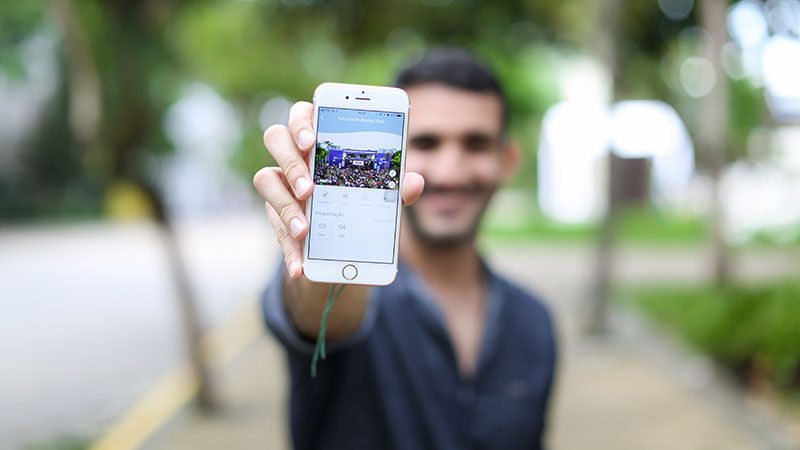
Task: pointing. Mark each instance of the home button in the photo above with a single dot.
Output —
(349, 272)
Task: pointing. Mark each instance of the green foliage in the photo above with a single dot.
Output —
(50, 181)
(741, 325)
(322, 153)
(252, 51)
(65, 442)
(647, 224)
(746, 112)
(634, 225)
(19, 21)
(394, 163)
(768, 239)
(535, 227)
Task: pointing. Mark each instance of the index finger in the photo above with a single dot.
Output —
(301, 124)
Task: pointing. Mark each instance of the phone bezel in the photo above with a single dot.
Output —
(375, 98)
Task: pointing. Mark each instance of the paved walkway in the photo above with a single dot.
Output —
(623, 391)
(89, 320)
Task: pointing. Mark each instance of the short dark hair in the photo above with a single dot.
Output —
(455, 67)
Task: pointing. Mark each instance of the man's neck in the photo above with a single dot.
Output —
(456, 277)
(447, 268)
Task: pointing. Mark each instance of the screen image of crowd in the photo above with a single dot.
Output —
(377, 169)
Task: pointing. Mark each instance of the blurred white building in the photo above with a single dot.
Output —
(576, 139)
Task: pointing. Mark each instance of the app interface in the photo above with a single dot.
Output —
(356, 177)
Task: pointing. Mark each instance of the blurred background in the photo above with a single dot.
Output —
(657, 210)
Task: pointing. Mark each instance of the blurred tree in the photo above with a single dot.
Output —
(126, 59)
(394, 163)
(713, 138)
(321, 154)
(18, 22)
(607, 49)
(255, 50)
(117, 58)
(41, 170)
(124, 62)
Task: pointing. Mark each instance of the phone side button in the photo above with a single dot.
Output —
(349, 272)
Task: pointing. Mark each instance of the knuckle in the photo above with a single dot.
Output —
(290, 253)
(277, 223)
(284, 209)
(294, 110)
(261, 177)
(299, 115)
(272, 215)
(294, 166)
(273, 133)
(298, 108)
(281, 234)
(265, 178)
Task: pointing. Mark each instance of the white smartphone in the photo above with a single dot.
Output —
(357, 166)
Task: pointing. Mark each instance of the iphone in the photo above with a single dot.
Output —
(357, 166)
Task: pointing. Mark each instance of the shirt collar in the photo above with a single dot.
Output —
(422, 299)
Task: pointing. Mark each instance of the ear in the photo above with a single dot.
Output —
(510, 160)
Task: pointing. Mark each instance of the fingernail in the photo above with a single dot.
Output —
(305, 138)
(301, 186)
(296, 227)
(294, 268)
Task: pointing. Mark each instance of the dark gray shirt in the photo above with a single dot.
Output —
(395, 383)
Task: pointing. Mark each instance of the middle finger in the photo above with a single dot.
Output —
(272, 186)
(282, 147)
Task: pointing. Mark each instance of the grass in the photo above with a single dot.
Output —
(515, 217)
(64, 442)
(634, 225)
(754, 329)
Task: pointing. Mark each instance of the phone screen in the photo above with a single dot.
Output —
(356, 177)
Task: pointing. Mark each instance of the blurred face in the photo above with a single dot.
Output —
(456, 142)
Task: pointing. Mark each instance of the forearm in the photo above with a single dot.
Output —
(305, 302)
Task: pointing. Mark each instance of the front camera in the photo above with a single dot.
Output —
(347, 97)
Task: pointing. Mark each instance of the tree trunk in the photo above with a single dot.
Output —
(600, 291)
(714, 130)
(187, 300)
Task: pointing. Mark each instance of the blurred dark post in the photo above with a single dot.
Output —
(114, 132)
(714, 128)
(187, 301)
(605, 44)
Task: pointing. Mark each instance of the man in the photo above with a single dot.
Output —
(448, 356)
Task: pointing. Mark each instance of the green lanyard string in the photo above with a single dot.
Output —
(319, 349)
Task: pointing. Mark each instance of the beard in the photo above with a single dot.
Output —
(479, 192)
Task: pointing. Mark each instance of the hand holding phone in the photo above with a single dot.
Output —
(357, 167)
(287, 188)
